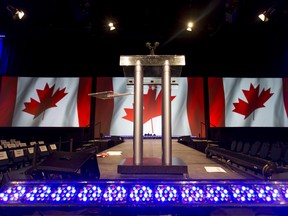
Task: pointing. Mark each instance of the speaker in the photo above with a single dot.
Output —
(68, 165)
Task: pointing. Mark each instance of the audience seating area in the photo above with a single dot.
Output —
(261, 157)
(15, 154)
(264, 158)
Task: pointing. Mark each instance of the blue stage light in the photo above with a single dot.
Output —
(144, 193)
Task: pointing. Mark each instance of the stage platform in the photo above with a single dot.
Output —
(198, 166)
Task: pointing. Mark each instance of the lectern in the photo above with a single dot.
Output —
(163, 66)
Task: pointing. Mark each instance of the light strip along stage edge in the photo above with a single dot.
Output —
(179, 193)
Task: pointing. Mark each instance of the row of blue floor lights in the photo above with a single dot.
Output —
(170, 193)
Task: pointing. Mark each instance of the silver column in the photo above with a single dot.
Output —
(166, 115)
(138, 115)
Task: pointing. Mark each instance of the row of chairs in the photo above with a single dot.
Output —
(276, 151)
(16, 154)
(261, 157)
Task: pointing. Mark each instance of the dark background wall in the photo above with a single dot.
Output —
(70, 38)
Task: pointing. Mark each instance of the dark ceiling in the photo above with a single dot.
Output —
(70, 37)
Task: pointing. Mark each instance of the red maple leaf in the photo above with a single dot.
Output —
(151, 106)
(254, 100)
(46, 100)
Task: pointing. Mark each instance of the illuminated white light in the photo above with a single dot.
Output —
(20, 14)
(262, 17)
(111, 26)
(189, 26)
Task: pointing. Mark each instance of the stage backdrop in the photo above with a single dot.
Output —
(45, 102)
(116, 116)
(248, 102)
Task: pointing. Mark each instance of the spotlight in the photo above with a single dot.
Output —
(189, 26)
(111, 26)
(266, 15)
(263, 17)
(19, 13)
(15, 12)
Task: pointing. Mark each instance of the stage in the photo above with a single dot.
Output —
(199, 167)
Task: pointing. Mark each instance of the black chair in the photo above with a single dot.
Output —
(255, 147)
(29, 154)
(52, 148)
(276, 152)
(246, 148)
(264, 150)
(239, 146)
(4, 161)
(17, 157)
(233, 145)
(42, 151)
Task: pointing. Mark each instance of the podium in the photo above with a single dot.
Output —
(163, 66)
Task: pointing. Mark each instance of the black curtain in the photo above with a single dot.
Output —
(7, 56)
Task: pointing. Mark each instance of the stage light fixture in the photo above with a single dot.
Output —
(15, 12)
(263, 17)
(266, 15)
(181, 193)
(19, 13)
(111, 26)
(189, 26)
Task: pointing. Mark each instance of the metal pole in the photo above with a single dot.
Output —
(138, 115)
(166, 115)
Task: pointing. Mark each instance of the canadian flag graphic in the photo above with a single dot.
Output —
(45, 102)
(248, 102)
(187, 107)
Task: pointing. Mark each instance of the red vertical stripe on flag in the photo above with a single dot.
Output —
(285, 94)
(7, 100)
(84, 101)
(104, 108)
(195, 104)
(216, 102)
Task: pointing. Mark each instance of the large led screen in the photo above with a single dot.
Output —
(115, 116)
(248, 102)
(45, 102)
